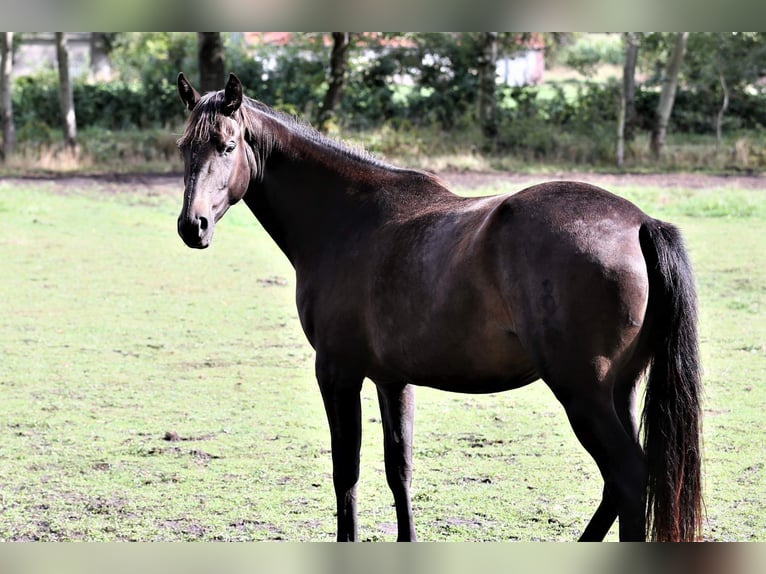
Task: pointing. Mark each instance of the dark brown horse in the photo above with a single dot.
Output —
(405, 283)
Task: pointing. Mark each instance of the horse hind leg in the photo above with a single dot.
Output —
(625, 407)
(602, 519)
(599, 419)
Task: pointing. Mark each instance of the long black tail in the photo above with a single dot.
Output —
(671, 419)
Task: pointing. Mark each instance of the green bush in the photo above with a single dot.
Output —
(694, 112)
(115, 105)
(558, 127)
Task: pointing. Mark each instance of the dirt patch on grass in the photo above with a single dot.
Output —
(186, 528)
(173, 436)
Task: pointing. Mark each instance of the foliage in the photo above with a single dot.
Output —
(587, 52)
(151, 57)
(695, 110)
(371, 94)
(737, 57)
(418, 81)
(447, 78)
(289, 78)
(542, 124)
(111, 105)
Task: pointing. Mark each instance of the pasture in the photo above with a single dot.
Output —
(155, 393)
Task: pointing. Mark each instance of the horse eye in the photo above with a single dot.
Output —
(229, 147)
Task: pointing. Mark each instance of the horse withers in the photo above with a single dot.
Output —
(400, 281)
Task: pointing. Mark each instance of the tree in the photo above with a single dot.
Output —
(341, 41)
(626, 122)
(668, 94)
(487, 74)
(210, 56)
(6, 105)
(66, 96)
(100, 46)
(154, 58)
(723, 67)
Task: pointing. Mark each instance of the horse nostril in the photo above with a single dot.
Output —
(203, 223)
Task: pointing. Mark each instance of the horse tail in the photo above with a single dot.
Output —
(671, 419)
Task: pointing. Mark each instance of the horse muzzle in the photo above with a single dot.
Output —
(195, 230)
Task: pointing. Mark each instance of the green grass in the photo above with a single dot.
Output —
(114, 334)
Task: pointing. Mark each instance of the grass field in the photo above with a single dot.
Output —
(151, 392)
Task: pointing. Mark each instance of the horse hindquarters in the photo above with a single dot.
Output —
(579, 297)
(596, 390)
(658, 490)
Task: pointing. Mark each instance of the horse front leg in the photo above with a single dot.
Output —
(397, 409)
(340, 394)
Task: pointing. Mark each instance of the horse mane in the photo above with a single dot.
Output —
(206, 122)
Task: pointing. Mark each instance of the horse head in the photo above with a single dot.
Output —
(216, 166)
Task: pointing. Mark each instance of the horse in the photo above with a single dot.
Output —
(402, 282)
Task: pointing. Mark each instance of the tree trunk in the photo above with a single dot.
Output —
(669, 85)
(621, 131)
(338, 62)
(66, 96)
(626, 121)
(100, 68)
(6, 105)
(725, 102)
(629, 84)
(210, 57)
(487, 71)
(722, 111)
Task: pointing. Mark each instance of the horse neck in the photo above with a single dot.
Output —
(312, 193)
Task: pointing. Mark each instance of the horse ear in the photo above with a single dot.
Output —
(189, 96)
(232, 95)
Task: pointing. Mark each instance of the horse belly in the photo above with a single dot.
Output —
(437, 316)
(470, 362)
